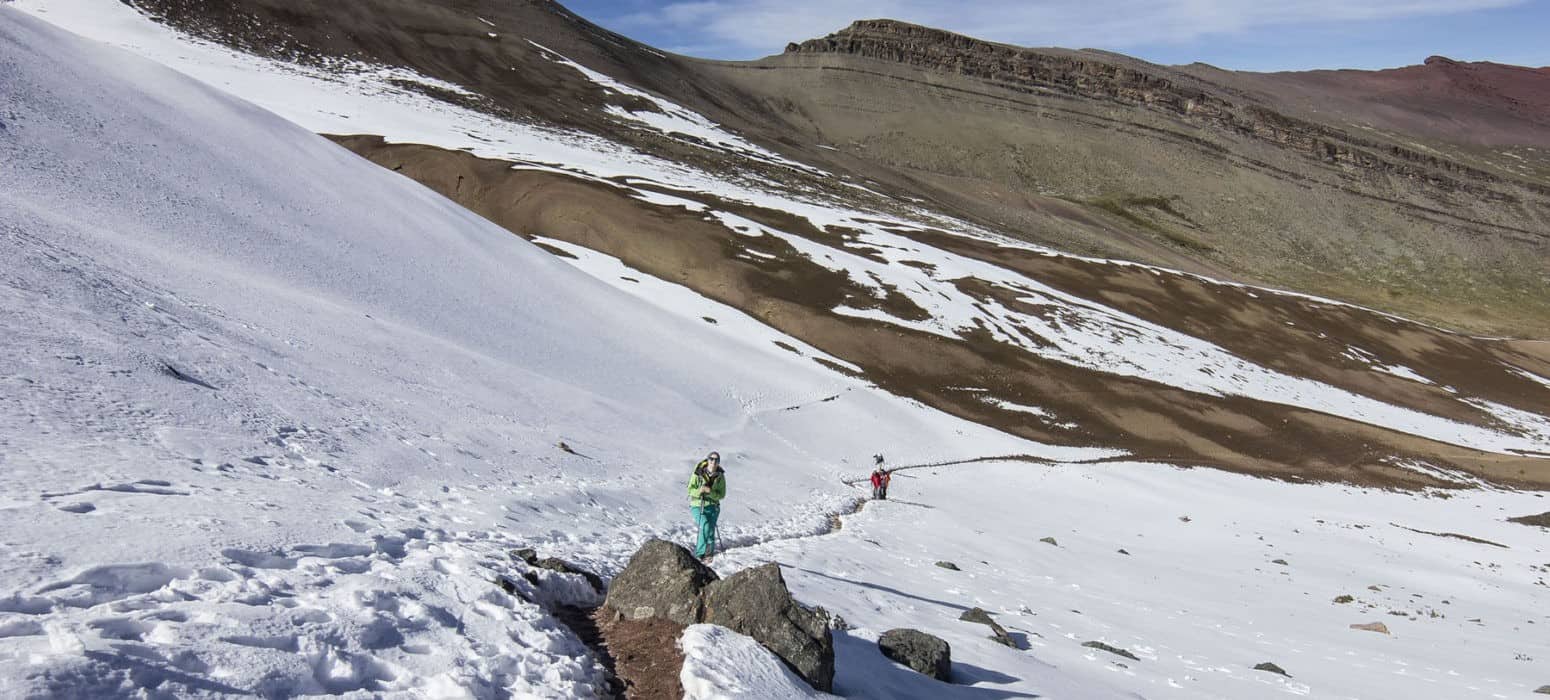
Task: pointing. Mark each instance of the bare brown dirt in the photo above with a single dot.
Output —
(1541, 520)
(645, 655)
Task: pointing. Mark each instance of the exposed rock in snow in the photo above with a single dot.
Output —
(1272, 668)
(1101, 646)
(997, 632)
(757, 603)
(556, 564)
(662, 580)
(924, 653)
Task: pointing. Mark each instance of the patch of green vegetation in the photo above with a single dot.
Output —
(1510, 300)
(1129, 207)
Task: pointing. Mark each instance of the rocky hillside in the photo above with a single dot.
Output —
(1313, 181)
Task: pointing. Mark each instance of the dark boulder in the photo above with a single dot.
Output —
(1272, 668)
(662, 580)
(924, 653)
(948, 565)
(997, 632)
(756, 602)
(1543, 690)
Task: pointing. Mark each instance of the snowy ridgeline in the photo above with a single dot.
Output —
(271, 417)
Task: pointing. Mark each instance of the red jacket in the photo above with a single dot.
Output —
(879, 477)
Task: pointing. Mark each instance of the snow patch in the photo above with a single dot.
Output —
(721, 664)
(671, 118)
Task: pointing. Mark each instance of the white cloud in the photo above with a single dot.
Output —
(750, 27)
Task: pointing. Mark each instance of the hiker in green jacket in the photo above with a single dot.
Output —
(707, 487)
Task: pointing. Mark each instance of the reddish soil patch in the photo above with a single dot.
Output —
(645, 655)
(1484, 102)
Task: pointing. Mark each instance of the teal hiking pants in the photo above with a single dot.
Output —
(705, 517)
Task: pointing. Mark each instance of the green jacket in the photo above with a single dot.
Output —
(701, 477)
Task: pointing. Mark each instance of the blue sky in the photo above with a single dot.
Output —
(1238, 34)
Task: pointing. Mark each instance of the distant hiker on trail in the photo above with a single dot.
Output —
(880, 479)
(707, 487)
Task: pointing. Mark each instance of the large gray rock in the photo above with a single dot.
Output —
(662, 580)
(757, 603)
(997, 632)
(921, 652)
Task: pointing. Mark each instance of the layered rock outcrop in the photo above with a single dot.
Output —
(1100, 76)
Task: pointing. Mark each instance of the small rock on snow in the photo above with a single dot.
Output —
(1111, 649)
(1267, 666)
(997, 632)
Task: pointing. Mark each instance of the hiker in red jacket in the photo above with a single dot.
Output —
(880, 478)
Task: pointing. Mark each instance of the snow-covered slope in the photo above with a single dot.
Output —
(271, 413)
(1200, 574)
(271, 416)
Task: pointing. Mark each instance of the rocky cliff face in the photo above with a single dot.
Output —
(1097, 76)
(1013, 67)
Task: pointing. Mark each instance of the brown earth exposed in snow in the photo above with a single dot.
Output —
(1154, 421)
